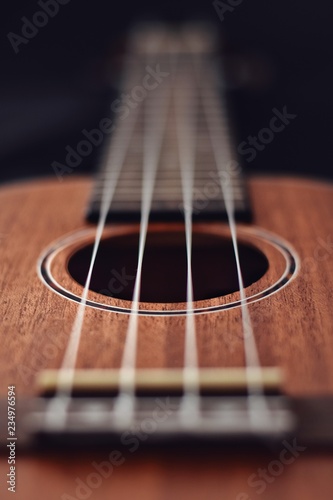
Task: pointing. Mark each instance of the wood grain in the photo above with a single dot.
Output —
(293, 329)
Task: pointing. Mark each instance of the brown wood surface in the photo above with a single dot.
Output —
(293, 330)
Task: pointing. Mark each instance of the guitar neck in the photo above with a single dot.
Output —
(173, 91)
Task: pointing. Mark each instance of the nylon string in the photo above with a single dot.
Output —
(156, 108)
(257, 404)
(185, 104)
(58, 406)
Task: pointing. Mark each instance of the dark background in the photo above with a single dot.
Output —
(58, 83)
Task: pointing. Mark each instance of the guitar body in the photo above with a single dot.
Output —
(292, 326)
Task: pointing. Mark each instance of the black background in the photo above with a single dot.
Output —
(57, 84)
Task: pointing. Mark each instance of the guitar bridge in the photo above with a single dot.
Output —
(161, 420)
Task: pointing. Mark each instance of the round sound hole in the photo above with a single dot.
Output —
(164, 272)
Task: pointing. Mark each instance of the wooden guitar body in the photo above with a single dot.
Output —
(292, 327)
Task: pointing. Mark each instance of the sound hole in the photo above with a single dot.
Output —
(164, 266)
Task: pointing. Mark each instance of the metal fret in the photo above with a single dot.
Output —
(167, 198)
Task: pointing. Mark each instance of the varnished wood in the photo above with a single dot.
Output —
(293, 329)
(36, 322)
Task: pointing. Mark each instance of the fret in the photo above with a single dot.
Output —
(168, 197)
(163, 189)
(134, 178)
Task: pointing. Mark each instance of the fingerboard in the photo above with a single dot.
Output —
(162, 70)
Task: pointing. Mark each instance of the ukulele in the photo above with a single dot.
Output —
(167, 327)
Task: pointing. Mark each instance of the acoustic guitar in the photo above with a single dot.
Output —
(167, 327)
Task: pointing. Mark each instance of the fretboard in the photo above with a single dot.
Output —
(185, 73)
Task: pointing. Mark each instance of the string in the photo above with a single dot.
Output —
(185, 125)
(257, 405)
(57, 409)
(154, 127)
